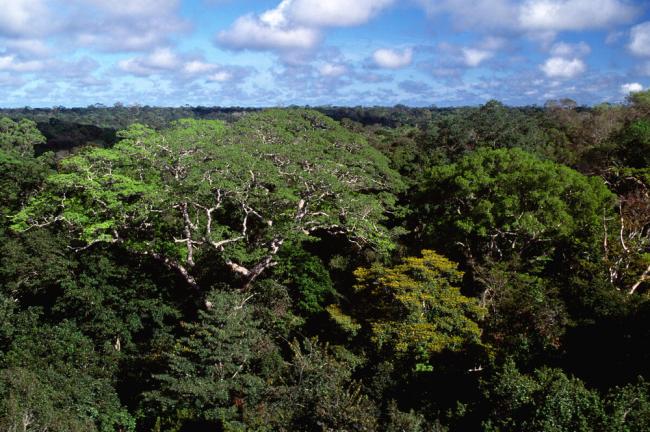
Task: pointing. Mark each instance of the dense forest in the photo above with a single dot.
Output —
(329, 269)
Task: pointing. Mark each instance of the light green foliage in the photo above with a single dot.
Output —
(416, 308)
(640, 99)
(507, 204)
(240, 191)
(20, 171)
(19, 137)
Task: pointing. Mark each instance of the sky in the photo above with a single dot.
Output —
(321, 52)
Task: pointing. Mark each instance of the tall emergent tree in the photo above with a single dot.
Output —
(202, 189)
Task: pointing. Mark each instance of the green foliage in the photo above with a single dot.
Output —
(241, 191)
(629, 407)
(507, 204)
(319, 394)
(215, 244)
(525, 315)
(399, 421)
(19, 137)
(20, 172)
(640, 99)
(51, 378)
(213, 373)
(548, 401)
(635, 144)
(416, 309)
(307, 275)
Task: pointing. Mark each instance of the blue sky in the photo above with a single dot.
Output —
(320, 52)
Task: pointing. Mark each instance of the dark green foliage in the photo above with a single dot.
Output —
(547, 401)
(319, 394)
(635, 144)
(629, 407)
(213, 373)
(525, 314)
(307, 276)
(52, 378)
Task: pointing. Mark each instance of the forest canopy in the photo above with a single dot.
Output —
(330, 269)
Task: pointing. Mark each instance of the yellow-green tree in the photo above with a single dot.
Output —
(416, 309)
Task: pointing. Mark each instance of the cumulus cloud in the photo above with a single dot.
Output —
(488, 14)
(334, 13)
(133, 8)
(126, 26)
(393, 59)
(113, 26)
(631, 88)
(255, 33)
(640, 39)
(12, 64)
(22, 18)
(162, 59)
(333, 70)
(297, 25)
(34, 47)
(221, 76)
(563, 49)
(181, 68)
(540, 17)
(561, 15)
(474, 57)
(559, 67)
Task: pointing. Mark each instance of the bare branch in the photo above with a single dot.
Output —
(642, 279)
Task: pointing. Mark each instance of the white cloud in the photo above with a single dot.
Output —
(221, 76)
(161, 59)
(297, 25)
(108, 25)
(182, 68)
(332, 70)
(563, 49)
(33, 47)
(334, 13)
(11, 64)
(561, 15)
(558, 67)
(474, 57)
(198, 67)
(631, 88)
(133, 8)
(540, 18)
(488, 14)
(640, 39)
(21, 18)
(249, 32)
(393, 59)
